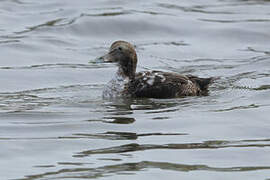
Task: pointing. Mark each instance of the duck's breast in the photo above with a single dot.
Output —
(116, 87)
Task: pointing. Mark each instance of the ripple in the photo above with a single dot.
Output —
(251, 106)
(128, 168)
(235, 21)
(217, 144)
(251, 49)
(69, 21)
(167, 110)
(22, 102)
(91, 65)
(194, 9)
(107, 14)
(17, 2)
(168, 43)
(152, 12)
(112, 135)
(44, 166)
(72, 163)
(262, 87)
(46, 24)
(38, 98)
(9, 41)
(156, 104)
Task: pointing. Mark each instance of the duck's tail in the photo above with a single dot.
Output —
(203, 83)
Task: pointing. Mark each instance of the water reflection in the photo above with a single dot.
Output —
(121, 111)
(119, 120)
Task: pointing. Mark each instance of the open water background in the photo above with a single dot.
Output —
(54, 123)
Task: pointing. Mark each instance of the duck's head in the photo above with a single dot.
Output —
(124, 54)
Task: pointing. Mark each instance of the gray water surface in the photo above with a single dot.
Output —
(54, 123)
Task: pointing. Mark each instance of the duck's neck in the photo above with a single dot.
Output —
(126, 72)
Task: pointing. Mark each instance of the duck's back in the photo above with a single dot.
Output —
(157, 84)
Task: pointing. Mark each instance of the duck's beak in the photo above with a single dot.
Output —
(109, 57)
(105, 58)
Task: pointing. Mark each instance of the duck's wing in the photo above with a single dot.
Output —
(158, 84)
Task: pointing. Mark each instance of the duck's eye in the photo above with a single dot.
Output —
(120, 48)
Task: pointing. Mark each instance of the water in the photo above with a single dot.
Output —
(54, 123)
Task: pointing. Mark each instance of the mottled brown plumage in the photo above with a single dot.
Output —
(150, 84)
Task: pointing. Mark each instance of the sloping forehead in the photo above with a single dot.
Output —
(123, 44)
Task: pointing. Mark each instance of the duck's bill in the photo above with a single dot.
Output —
(105, 58)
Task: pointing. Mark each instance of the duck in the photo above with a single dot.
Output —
(147, 84)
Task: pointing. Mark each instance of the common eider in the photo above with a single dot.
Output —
(147, 84)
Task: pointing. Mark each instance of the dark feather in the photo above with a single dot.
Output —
(203, 83)
(157, 84)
